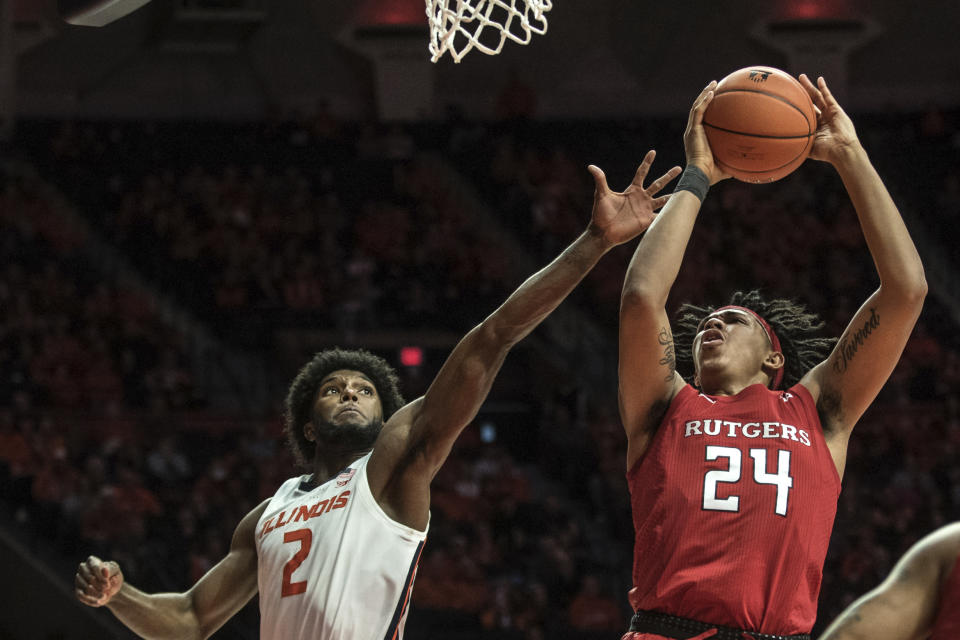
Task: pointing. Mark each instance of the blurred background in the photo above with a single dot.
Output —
(197, 197)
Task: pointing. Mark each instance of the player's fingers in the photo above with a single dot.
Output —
(696, 113)
(657, 185)
(701, 108)
(706, 90)
(661, 201)
(815, 95)
(599, 179)
(99, 580)
(825, 90)
(92, 592)
(90, 576)
(94, 563)
(643, 169)
(87, 600)
(90, 584)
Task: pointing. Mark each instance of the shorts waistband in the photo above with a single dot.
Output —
(679, 628)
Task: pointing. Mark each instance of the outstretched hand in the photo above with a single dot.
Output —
(695, 141)
(621, 216)
(835, 131)
(97, 581)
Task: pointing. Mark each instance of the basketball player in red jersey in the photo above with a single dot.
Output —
(919, 600)
(333, 555)
(734, 479)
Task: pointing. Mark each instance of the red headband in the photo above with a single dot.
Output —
(771, 335)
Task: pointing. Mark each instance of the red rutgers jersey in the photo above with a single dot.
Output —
(733, 504)
(947, 624)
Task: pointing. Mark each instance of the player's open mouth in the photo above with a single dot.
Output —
(711, 337)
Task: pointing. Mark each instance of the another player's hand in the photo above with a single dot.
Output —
(835, 133)
(97, 581)
(695, 139)
(621, 216)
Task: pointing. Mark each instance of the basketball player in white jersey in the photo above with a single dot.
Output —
(333, 554)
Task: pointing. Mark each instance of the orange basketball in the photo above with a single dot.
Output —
(760, 124)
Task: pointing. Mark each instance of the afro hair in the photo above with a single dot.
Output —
(303, 392)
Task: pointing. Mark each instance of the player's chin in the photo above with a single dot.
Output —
(358, 433)
(354, 421)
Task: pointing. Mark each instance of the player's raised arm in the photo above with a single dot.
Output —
(456, 394)
(848, 381)
(648, 378)
(427, 428)
(197, 613)
(905, 605)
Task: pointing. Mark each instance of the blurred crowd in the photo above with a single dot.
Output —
(106, 446)
(286, 225)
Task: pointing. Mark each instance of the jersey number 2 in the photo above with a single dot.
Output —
(305, 538)
(782, 478)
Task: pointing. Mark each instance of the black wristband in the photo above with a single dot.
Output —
(695, 181)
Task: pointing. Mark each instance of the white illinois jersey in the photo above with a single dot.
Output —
(332, 564)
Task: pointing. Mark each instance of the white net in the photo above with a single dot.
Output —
(458, 26)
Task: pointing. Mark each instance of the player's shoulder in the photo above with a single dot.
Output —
(938, 549)
(945, 540)
(398, 430)
(682, 393)
(255, 513)
(403, 417)
(798, 394)
(243, 535)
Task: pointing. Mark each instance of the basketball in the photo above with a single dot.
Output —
(760, 124)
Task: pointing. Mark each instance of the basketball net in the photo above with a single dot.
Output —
(458, 29)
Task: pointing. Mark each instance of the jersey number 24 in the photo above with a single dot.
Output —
(732, 474)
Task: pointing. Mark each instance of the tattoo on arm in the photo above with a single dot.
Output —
(851, 343)
(669, 358)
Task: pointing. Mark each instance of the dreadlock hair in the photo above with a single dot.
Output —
(794, 326)
(298, 407)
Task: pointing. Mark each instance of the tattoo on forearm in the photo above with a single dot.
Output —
(851, 343)
(669, 358)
